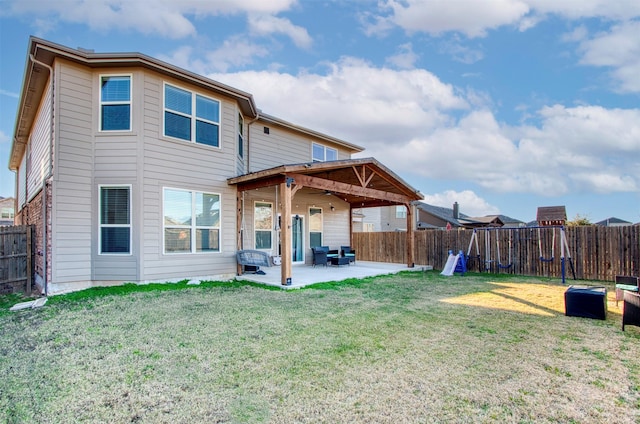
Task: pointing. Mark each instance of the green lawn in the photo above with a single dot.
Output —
(414, 347)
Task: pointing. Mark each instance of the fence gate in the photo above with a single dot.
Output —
(16, 259)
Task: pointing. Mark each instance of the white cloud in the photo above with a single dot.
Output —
(167, 18)
(475, 18)
(268, 24)
(469, 202)
(618, 48)
(405, 58)
(472, 18)
(354, 100)
(4, 137)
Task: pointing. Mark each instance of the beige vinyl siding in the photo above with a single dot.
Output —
(170, 163)
(276, 148)
(72, 185)
(116, 162)
(282, 146)
(39, 146)
(335, 225)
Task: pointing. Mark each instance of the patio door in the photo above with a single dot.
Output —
(297, 238)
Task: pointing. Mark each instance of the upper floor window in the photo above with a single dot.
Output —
(115, 220)
(191, 117)
(240, 135)
(401, 211)
(7, 213)
(115, 103)
(323, 153)
(191, 221)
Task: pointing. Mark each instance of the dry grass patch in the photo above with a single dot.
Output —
(414, 347)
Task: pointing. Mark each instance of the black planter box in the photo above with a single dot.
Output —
(586, 302)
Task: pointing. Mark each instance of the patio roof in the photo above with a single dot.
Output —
(362, 182)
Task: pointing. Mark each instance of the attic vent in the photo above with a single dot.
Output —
(266, 130)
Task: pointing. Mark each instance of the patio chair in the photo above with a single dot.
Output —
(348, 252)
(631, 309)
(626, 282)
(320, 255)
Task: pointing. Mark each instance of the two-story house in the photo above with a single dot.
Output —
(134, 170)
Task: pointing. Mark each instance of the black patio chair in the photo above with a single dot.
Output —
(348, 252)
(319, 256)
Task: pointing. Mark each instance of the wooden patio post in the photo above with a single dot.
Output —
(411, 237)
(285, 234)
(239, 206)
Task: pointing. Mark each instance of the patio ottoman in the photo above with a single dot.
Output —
(341, 260)
(586, 302)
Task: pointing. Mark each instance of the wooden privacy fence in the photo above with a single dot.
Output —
(598, 253)
(16, 259)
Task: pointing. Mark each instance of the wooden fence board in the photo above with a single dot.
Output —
(598, 253)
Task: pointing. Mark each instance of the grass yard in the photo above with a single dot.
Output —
(414, 348)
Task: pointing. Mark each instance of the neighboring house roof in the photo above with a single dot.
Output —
(42, 54)
(360, 182)
(613, 222)
(445, 214)
(510, 222)
(483, 221)
(551, 215)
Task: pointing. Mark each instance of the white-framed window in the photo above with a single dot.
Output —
(240, 135)
(191, 117)
(115, 220)
(315, 227)
(115, 103)
(191, 221)
(263, 225)
(322, 153)
(7, 213)
(401, 211)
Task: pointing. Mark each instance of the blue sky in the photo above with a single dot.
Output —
(500, 105)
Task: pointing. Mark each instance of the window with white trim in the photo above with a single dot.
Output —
(401, 212)
(115, 103)
(191, 117)
(115, 220)
(263, 225)
(322, 153)
(191, 221)
(240, 135)
(315, 227)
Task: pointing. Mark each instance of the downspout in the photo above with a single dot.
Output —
(249, 140)
(45, 243)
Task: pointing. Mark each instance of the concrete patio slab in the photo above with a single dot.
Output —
(304, 275)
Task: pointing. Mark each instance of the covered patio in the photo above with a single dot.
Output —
(359, 183)
(304, 275)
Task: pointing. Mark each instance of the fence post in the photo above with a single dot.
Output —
(29, 260)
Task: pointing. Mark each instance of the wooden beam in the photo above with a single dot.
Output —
(267, 182)
(411, 237)
(339, 187)
(285, 234)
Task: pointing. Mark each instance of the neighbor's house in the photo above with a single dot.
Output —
(7, 210)
(393, 218)
(613, 222)
(132, 169)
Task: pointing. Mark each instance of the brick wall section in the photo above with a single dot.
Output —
(32, 214)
